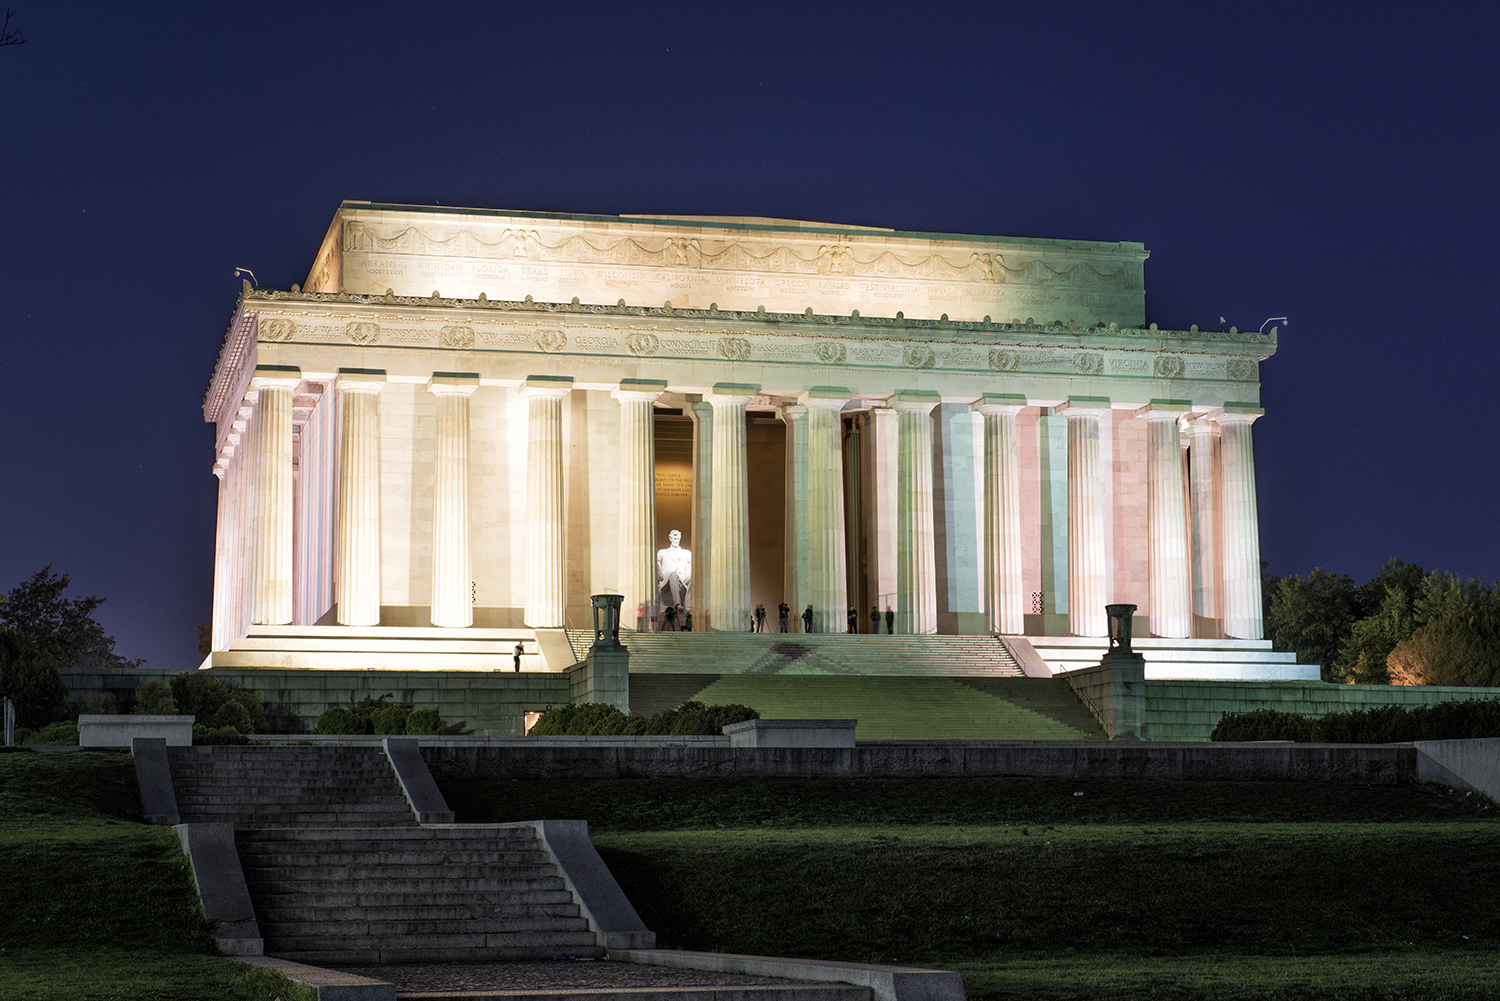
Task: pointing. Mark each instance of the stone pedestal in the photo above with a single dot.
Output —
(604, 676)
(452, 577)
(1166, 517)
(545, 522)
(271, 431)
(637, 574)
(916, 560)
(1002, 512)
(1242, 598)
(827, 582)
(729, 584)
(1087, 566)
(359, 498)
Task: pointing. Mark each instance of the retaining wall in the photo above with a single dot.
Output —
(1365, 764)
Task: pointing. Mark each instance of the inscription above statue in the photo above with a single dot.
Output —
(674, 573)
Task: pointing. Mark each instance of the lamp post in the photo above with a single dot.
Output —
(1121, 619)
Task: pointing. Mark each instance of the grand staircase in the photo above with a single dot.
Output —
(818, 653)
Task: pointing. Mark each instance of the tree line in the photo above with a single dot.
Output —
(1404, 626)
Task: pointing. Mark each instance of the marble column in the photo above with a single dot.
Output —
(794, 575)
(271, 427)
(1242, 597)
(701, 538)
(827, 580)
(1087, 568)
(882, 453)
(452, 567)
(729, 555)
(1205, 522)
(638, 544)
(916, 557)
(1002, 513)
(359, 498)
(1166, 528)
(546, 556)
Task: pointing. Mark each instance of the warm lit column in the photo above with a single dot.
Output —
(881, 491)
(794, 575)
(827, 581)
(1205, 527)
(1087, 592)
(271, 576)
(359, 498)
(1166, 529)
(545, 555)
(452, 576)
(700, 542)
(729, 587)
(219, 632)
(637, 574)
(1242, 598)
(1002, 513)
(916, 559)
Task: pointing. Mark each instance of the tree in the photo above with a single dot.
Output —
(63, 627)
(9, 35)
(1313, 616)
(29, 678)
(1458, 650)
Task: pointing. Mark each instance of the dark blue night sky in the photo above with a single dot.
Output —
(1335, 164)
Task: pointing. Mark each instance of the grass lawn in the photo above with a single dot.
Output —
(1132, 890)
(95, 904)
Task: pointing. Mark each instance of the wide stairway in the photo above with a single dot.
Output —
(340, 872)
(817, 653)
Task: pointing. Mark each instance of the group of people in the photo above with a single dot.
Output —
(674, 618)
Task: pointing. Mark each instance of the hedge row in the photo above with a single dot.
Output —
(600, 719)
(1385, 725)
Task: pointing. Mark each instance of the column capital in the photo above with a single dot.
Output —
(276, 377)
(1165, 410)
(1000, 403)
(361, 380)
(825, 397)
(547, 387)
(1236, 413)
(914, 400)
(648, 390)
(453, 383)
(729, 393)
(1084, 406)
(791, 412)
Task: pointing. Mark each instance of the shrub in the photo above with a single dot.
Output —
(232, 715)
(200, 694)
(1381, 725)
(154, 698)
(424, 722)
(339, 720)
(1461, 649)
(390, 721)
(93, 704)
(264, 983)
(63, 734)
(218, 735)
(603, 719)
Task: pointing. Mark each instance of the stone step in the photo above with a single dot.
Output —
(340, 841)
(311, 819)
(428, 954)
(282, 874)
(466, 833)
(368, 895)
(268, 887)
(790, 990)
(385, 927)
(538, 941)
(467, 908)
(270, 859)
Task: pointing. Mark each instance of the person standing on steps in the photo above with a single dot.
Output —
(874, 620)
(669, 615)
(807, 620)
(785, 610)
(687, 622)
(890, 621)
(517, 654)
(853, 619)
(760, 618)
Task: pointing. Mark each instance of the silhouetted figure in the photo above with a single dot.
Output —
(669, 618)
(517, 653)
(687, 622)
(807, 620)
(760, 618)
(784, 609)
(890, 621)
(874, 620)
(853, 618)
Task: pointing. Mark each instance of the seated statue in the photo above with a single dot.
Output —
(674, 573)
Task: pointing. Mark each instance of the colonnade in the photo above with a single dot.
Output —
(1188, 576)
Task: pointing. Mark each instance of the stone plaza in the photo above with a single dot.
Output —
(467, 422)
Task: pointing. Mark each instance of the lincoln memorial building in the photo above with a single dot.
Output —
(466, 422)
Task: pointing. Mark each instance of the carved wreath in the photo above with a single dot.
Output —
(363, 333)
(456, 337)
(1004, 361)
(919, 356)
(1242, 369)
(1169, 367)
(641, 344)
(1088, 363)
(551, 340)
(277, 330)
(830, 353)
(734, 348)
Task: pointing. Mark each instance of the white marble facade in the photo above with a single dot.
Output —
(452, 426)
